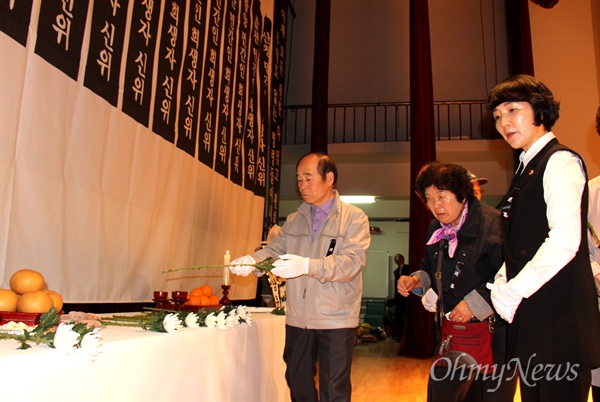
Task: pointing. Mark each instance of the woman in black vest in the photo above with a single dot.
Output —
(545, 288)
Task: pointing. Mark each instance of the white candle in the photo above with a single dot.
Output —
(226, 260)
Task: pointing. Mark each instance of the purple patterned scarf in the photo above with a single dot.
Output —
(449, 232)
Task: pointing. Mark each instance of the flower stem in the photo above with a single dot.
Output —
(265, 265)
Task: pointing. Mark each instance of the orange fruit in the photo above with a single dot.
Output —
(193, 300)
(196, 292)
(206, 290)
(26, 280)
(35, 302)
(204, 301)
(214, 300)
(8, 300)
(56, 298)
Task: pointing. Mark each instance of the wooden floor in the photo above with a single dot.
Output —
(379, 374)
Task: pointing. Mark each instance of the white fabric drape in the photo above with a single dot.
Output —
(101, 205)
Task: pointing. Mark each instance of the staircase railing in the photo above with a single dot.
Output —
(389, 122)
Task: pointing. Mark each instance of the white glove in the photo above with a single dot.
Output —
(429, 300)
(241, 268)
(505, 299)
(290, 266)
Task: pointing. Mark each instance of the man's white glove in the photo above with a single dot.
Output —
(241, 267)
(290, 266)
(429, 300)
(505, 299)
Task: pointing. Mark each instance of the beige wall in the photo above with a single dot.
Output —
(565, 51)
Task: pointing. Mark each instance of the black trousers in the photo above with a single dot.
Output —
(332, 349)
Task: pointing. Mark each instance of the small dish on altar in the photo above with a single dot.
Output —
(160, 294)
(31, 319)
(179, 294)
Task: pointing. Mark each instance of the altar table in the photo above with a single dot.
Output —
(243, 363)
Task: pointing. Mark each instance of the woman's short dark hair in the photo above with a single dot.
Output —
(525, 88)
(444, 176)
(324, 165)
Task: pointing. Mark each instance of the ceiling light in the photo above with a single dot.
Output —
(358, 199)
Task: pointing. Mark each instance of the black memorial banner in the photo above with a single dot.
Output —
(213, 85)
(250, 140)
(240, 108)
(277, 104)
(210, 87)
(103, 68)
(187, 124)
(14, 19)
(139, 69)
(262, 152)
(60, 32)
(227, 88)
(169, 69)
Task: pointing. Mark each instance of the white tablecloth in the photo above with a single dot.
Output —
(244, 363)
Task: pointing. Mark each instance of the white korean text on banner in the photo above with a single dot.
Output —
(138, 136)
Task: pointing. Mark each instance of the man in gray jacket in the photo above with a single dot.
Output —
(321, 250)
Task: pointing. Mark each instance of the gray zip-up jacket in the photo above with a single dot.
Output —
(329, 296)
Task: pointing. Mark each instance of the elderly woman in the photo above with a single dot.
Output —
(472, 254)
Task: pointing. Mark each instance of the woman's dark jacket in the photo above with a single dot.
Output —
(478, 256)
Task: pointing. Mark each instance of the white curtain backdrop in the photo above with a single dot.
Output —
(97, 202)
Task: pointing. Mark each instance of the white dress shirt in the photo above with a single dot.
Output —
(564, 181)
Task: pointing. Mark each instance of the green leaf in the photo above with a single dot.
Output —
(48, 338)
(156, 322)
(81, 329)
(47, 321)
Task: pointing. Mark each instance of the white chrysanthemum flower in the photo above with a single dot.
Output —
(242, 312)
(211, 320)
(191, 320)
(172, 323)
(232, 320)
(221, 321)
(65, 338)
(248, 319)
(91, 344)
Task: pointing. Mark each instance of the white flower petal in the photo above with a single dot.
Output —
(211, 320)
(65, 338)
(172, 323)
(231, 321)
(242, 312)
(91, 344)
(221, 321)
(191, 320)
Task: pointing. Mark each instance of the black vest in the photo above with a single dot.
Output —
(559, 323)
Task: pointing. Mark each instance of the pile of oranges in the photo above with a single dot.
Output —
(202, 296)
(27, 294)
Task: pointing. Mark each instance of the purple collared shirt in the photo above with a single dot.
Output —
(318, 215)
